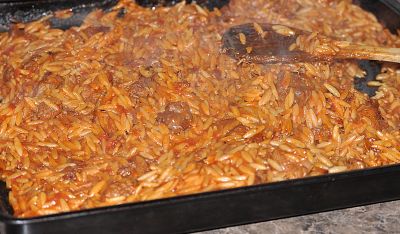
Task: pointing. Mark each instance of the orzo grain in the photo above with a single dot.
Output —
(146, 106)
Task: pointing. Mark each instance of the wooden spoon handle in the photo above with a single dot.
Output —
(370, 53)
(273, 43)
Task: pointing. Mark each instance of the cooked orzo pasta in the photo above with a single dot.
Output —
(145, 106)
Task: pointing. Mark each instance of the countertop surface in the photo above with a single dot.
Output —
(377, 218)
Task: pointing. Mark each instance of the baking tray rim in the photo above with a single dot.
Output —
(291, 183)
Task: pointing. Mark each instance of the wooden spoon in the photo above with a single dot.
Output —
(274, 43)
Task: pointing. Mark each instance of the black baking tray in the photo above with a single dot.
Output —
(212, 209)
